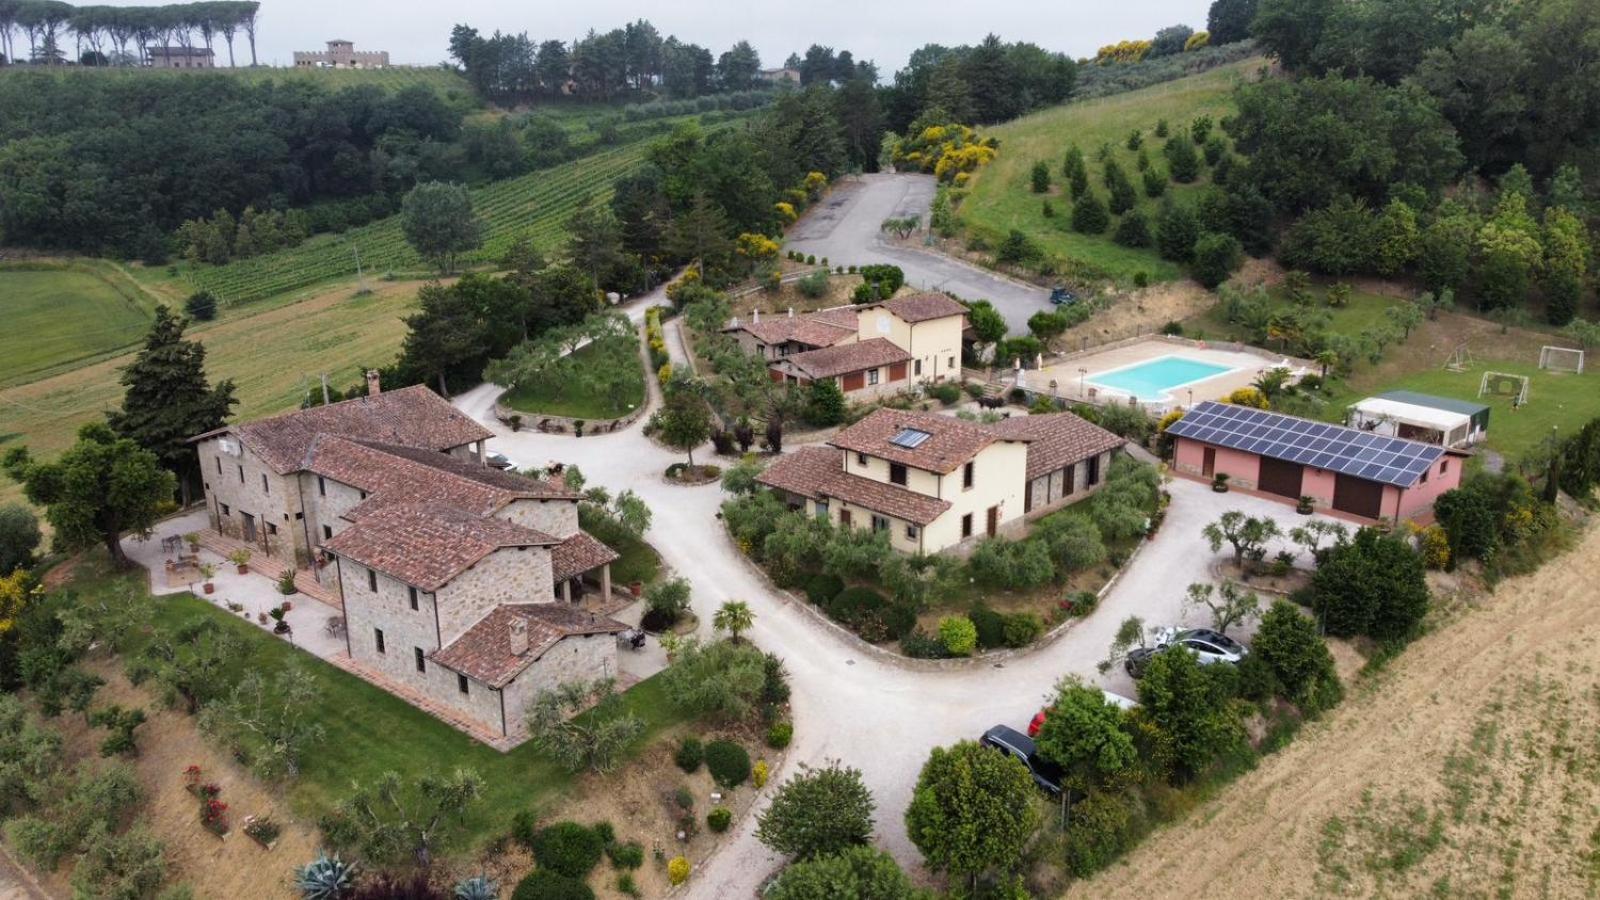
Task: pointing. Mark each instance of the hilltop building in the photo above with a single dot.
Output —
(181, 58)
(341, 54)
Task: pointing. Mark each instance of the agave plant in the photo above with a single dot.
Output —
(478, 887)
(325, 878)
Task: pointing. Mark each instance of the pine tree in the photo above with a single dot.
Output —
(169, 400)
(1089, 215)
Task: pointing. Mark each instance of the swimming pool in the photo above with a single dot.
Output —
(1154, 378)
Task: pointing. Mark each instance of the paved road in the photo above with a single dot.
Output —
(849, 703)
(845, 229)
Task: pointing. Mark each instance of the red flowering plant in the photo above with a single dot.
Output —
(214, 816)
(191, 780)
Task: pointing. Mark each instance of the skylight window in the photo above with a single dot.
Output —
(910, 438)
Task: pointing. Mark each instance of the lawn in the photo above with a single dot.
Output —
(578, 399)
(1558, 403)
(370, 731)
(1001, 196)
(60, 315)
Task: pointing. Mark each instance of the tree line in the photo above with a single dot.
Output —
(633, 61)
(97, 30)
(1451, 144)
(113, 166)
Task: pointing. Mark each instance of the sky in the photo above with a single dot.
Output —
(886, 31)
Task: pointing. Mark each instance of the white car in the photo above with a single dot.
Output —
(1208, 647)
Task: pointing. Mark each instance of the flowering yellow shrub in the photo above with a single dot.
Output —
(1167, 420)
(1123, 52)
(1435, 546)
(678, 870)
(760, 773)
(756, 246)
(785, 211)
(1248, 396)
(1197, 40)
(664, 373)
(675, 289)
(961, 179)
(16, 591)
(947, 151)
(814, 183)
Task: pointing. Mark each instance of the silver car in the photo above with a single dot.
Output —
(1207, 645)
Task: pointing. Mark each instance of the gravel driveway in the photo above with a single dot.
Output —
(845, 229)
(851, 704)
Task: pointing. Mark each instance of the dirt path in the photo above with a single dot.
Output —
(1469, 768)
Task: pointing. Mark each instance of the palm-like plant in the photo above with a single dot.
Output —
(733, 617)
(478, 887)
(325, 878)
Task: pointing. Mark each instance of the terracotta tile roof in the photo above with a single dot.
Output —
(413, 416)
(818, 473)
(844, 358)
(951, 444)
(807, 329)
(922, 307)
(428, 544)
(398, 475)
(483, 652)
(838, 316)
(1056, 440)
(578, 554)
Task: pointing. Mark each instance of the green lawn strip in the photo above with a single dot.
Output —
(578, 399)
(370, 731)
(1001, 196)
(1558, 403)
(1364, 311)
(61, 316)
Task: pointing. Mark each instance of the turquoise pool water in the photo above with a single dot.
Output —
(1154, 378)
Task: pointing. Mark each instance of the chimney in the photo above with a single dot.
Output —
(372, 383)
(791, 312)
(517, 632)
(755, 315)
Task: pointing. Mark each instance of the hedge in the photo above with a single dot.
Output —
(728, 762)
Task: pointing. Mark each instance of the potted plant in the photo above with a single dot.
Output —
(277, 613)
(1305, 506)
(577, 428)
(241, 558)
(286, 583)
(636, 588)
(515, 421)
(208, 571)
(1219, 482)
(261, 618)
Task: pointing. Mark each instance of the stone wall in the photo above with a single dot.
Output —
(405, 630)
(508, 575)
(557, 518)
(240, 484)
(580, 657)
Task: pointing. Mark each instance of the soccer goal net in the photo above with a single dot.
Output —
(1560, 359)
(1501, 384)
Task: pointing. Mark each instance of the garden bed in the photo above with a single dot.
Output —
(691, 476)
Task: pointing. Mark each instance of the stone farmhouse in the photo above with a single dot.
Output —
(455, 579)
(341, 54)
(870, 351)
(181, 58)
(935, 482)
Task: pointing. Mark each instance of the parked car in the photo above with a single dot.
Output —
(1046, 774)
(1060, 296)
(499, 460)
(1207, 645)
(1113, 699)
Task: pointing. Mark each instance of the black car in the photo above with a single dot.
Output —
(1046, 774)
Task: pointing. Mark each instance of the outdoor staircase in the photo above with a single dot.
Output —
(271, 567)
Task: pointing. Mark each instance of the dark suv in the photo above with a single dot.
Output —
(1046, 774)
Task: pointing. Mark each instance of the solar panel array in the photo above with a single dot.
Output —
(910, 438)
(1334, 448)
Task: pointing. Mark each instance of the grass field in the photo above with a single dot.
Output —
(1558, 403)
(60, 315)
(361, 722)
(273, 357)
(1001, 196)
(1363, 312)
